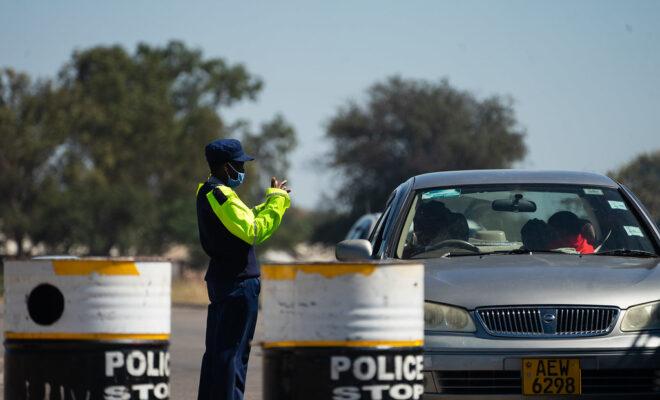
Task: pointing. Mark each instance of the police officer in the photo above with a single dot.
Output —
(229, 231)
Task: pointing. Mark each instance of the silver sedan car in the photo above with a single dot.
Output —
(538, 283)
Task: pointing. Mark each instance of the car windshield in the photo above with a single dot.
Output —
(521, 218)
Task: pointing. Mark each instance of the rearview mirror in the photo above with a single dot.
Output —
(353, 250)
(516, 204)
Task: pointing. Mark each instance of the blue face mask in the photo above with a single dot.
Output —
(234, 183)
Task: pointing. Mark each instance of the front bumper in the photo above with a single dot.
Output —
(483, 368)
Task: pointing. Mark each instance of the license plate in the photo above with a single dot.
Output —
(551, 376)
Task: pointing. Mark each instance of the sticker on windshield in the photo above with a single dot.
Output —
(441, 193)
(595, 192)
(617, 205)
(633, 231)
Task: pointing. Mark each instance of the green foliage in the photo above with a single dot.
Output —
(137, 127)
(27, 143)
(642, 176)
(109, 156)
(408, 127)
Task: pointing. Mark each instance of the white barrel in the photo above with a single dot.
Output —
(103, 298)
(343, 331)
(343, 304)
(92, 328)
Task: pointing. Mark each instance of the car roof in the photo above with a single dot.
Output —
(509, 176)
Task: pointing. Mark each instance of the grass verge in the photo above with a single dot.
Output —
(189, 292)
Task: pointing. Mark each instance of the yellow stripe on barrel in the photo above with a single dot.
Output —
(289, 272)
(344, 343)
(85, 336)
(100, 267)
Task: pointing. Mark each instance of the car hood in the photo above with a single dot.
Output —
(550, 279)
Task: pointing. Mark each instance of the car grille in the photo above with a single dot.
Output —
(639, 381)
(548, 321)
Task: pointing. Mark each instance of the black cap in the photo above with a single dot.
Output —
(223, 150)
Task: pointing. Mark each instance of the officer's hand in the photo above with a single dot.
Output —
(274, 183)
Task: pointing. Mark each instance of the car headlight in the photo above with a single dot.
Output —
(643, 317)
(442, 318)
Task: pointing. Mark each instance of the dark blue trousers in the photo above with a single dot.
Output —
(232, 318)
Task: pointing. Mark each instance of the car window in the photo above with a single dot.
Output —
(566, 218)
(361, 228)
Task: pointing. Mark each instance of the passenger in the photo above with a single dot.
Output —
(588, 231)
(570, 231)
(434, 223)
(536, 235)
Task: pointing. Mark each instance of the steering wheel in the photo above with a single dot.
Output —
(461, 244)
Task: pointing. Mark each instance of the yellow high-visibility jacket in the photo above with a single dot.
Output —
(229, 229)
(250, 225)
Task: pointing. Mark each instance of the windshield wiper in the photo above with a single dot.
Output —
(526, 251)
(514, 251)
(626, 253)
(450, 254)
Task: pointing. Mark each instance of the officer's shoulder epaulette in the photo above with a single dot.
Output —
(219, 196)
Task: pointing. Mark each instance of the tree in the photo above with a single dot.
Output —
(128, 132)
(26, 148)
(642, 176)
(408, 127)
(137, 124)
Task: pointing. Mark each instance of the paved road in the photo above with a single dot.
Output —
(187, 347)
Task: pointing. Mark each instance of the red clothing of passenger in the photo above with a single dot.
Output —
(578, 242)
(582, 246)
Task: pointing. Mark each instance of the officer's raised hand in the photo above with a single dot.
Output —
(274, 183)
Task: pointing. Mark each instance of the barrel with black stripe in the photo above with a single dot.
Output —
(341, 331)
(87, 329)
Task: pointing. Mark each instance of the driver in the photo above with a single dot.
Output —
(434, 223)
(571, 231)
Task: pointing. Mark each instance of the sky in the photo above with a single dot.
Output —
(584, 76)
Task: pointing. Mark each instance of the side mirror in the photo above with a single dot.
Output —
(353, 250)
